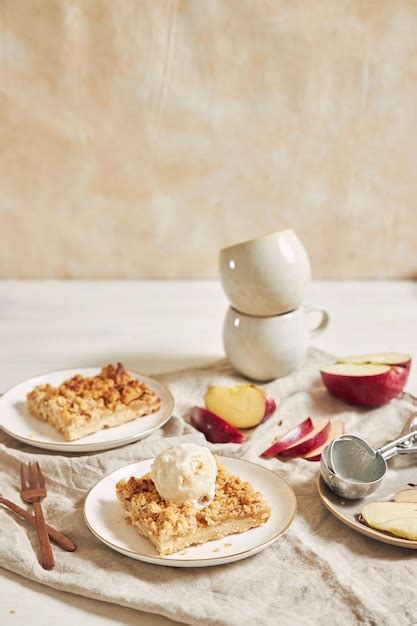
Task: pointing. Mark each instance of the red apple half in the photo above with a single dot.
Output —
(290, 438)
(215, 429)
(243, 406)
(367, 380)
(311, 441)
(337, 428)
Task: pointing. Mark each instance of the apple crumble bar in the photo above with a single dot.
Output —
(83, 405)
(236, 507)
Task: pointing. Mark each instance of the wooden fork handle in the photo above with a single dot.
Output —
(47, 558)
(55, 535)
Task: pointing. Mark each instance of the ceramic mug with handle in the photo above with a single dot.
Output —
(264, 348)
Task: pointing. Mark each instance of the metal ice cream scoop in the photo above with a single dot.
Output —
(353, 469)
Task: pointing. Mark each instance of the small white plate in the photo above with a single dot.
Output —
(103, 514)
(17, 421)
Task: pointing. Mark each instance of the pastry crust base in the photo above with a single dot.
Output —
(203, 535)
(79, 427)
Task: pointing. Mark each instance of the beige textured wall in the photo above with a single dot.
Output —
(139, 136)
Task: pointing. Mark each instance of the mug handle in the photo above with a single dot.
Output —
(323, 321)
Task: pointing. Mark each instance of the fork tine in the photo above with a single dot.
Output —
(40, 476)
(23, 483)
(32, 476)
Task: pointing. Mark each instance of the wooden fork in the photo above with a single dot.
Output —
(34, 493)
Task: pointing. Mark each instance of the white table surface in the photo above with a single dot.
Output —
(156, 326)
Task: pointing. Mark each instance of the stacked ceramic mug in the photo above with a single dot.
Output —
(265, 333)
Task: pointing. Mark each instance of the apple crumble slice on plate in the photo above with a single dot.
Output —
(224, 510)
(172, 526)
(83, 405)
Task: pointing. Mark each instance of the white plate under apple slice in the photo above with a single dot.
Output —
(17, 421)
(104, 516)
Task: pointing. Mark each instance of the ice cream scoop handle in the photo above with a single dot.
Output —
(399, 445)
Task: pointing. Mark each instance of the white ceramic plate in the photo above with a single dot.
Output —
(16, 420)
(347, 511)
(104, 517)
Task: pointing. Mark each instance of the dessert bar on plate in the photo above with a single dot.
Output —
(250, 508)
(83, 405)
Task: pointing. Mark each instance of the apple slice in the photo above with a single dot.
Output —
(215, 429)
(309, 442)
(406, 495)
(397, 518)
(243, 406)
(291, 437)
(365, 384)
(337, 428)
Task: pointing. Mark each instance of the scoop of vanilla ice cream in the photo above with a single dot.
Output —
(185, 473)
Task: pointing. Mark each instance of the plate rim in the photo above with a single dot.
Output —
(86, 447)
(372, 533)
(184, 562)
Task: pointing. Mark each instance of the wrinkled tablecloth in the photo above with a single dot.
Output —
(321, 571)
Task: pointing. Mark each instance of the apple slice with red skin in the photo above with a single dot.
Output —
(215, 429)
(367, 384)
(290, 438)
(243, 406)
(337, 428)
(311, 441)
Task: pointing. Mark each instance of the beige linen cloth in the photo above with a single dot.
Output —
(321, 571)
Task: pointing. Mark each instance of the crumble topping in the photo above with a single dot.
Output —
(112, 389)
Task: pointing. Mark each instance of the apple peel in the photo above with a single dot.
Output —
(270, 406)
